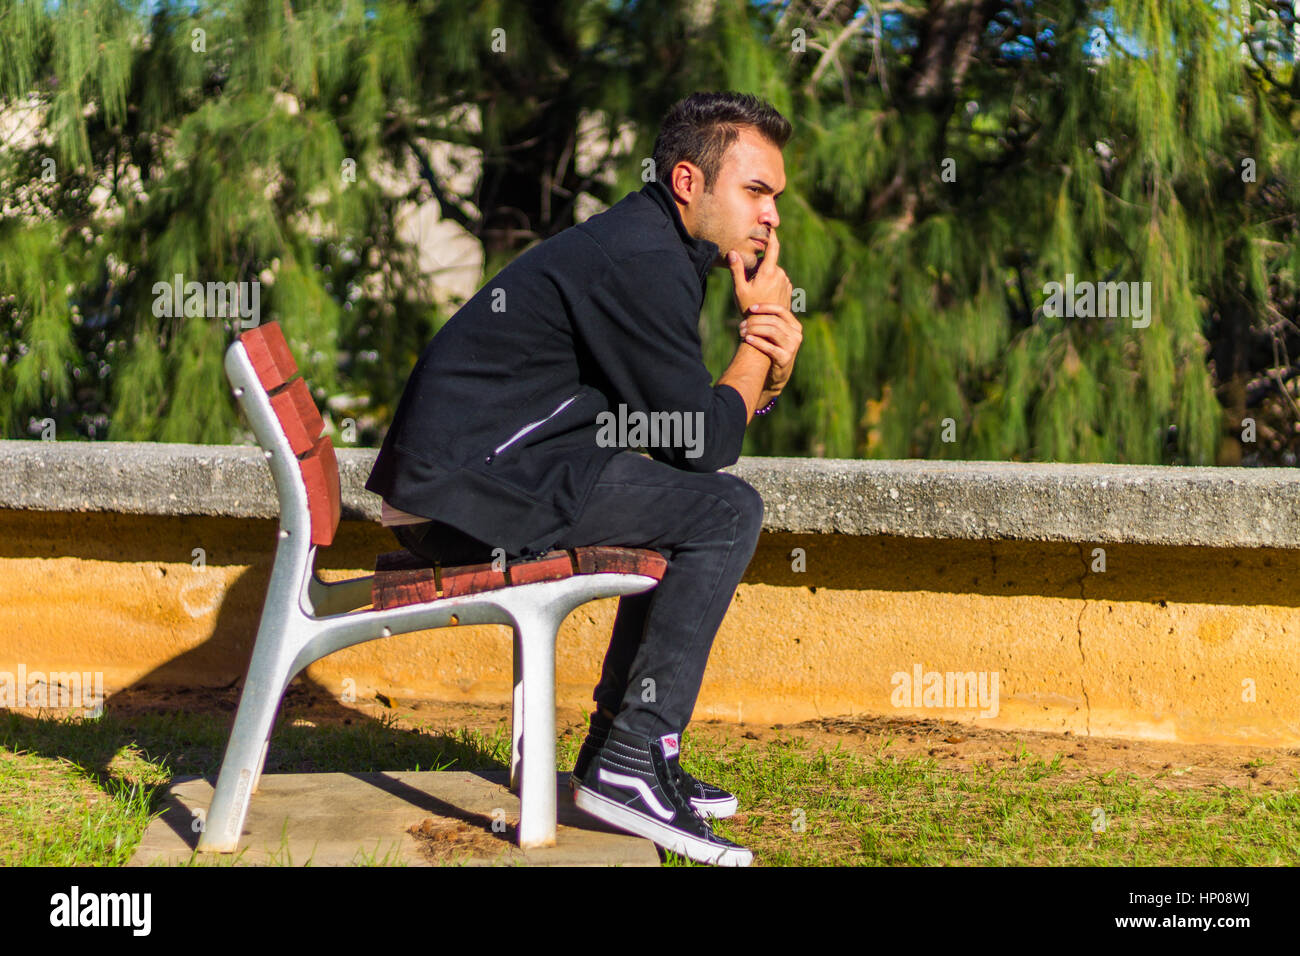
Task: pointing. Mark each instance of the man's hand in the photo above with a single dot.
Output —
(774, 331)
(770, 333)
(769, 284)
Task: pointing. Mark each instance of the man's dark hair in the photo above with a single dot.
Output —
(701, 128)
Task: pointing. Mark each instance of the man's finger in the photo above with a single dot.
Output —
(737, 267)
(770, 308)
(780, 311)
(780, 356)
(786, 346)
(772, 252)
(770, 330)
(773, 333)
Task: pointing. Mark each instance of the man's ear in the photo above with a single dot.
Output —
(685, 182)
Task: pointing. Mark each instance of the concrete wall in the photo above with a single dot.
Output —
(1176, 641)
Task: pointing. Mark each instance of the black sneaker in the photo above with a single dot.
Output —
(633, 785)
(595, 739)
(711, 801)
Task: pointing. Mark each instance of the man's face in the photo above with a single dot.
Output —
(740, 212)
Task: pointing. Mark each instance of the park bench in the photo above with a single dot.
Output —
(305, 618)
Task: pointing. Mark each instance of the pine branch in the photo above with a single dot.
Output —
(1281, 387)
(447, 207)
(841, 38)
(1247, 41)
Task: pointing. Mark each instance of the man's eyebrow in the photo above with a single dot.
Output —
(768, 188)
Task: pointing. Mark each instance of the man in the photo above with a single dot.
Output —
(498, 442)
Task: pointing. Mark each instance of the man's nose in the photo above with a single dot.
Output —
(770, 217)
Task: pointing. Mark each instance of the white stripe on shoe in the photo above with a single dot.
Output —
(639, 785)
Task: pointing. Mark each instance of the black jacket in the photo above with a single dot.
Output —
(496, 431)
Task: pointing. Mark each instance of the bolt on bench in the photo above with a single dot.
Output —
(305, 618)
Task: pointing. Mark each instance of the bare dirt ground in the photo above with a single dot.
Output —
(954, 746)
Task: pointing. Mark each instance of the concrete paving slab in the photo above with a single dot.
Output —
(399, 819)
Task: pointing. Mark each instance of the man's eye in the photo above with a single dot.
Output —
(753, 189)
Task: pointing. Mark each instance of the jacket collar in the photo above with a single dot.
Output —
(702, 252)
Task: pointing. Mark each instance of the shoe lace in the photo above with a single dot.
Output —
(681, 780)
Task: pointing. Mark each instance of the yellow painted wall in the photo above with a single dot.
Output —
(1166, 643)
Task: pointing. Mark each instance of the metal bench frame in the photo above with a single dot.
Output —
(305, 619)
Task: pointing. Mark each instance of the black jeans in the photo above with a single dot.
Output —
(705, 524)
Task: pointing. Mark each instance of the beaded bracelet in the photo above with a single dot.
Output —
(766, 408)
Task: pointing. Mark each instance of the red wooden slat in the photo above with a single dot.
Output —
(320, 473)
(402, 578)
(400, 588)
(554, 566)
(298, 416)
(270, 355)
(621, 560)
(471, 579)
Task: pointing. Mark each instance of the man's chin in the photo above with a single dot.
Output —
(747, 259)
(750, 261)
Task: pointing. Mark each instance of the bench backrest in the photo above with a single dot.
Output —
(301, 423)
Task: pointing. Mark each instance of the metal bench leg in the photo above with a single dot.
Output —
(242, 766)
(266, 745)
(516, 713)
(535, 659)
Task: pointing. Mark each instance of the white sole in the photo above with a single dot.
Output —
(718, 809)
(615, 813)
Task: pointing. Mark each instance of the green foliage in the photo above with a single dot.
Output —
(1120, 165)
(947, 165)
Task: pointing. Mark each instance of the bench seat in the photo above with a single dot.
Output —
(403, 578)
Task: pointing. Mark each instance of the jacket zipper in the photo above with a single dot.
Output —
(529, 427)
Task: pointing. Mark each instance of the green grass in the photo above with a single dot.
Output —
(52, 814)
(816, 808)
(82, 792)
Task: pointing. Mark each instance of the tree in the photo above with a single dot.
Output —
(243, 142)
(952, 160)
